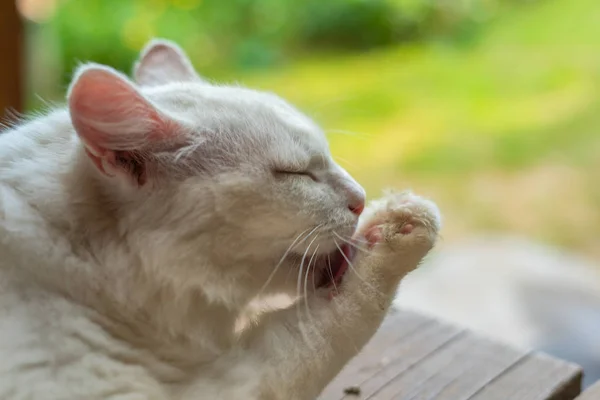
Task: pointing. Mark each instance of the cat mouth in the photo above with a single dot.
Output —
(327, 269)
(332, 267)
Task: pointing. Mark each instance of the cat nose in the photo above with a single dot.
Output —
(357, 202)
(354, 193)
(357, 209)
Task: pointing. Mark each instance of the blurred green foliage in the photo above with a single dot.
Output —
(489, 106)
(244, 34)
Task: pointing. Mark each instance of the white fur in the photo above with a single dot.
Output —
(515, 291)
(114, 289)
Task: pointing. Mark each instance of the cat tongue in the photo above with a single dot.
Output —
(339, 265)
(343, 266)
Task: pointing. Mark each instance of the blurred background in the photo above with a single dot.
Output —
(491, 107)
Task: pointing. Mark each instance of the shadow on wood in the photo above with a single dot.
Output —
(593, 393)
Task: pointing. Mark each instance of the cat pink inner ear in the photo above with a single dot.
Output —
(109, 114)
(162, 62)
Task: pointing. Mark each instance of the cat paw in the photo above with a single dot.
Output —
(402, 221)
(398, 231)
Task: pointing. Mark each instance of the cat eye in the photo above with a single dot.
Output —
(295, 173)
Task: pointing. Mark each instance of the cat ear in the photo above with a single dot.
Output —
(117, 124)
(161, 62)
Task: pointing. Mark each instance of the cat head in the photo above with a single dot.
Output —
(209, 181)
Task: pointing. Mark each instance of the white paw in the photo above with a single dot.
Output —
(401, 219)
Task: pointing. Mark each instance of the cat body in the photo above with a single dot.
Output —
(515, 291)
(137, 224)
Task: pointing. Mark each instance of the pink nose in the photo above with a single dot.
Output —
(357, 208)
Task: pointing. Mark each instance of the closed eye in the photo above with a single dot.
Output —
(284, 172)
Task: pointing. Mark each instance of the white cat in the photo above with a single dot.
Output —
(515, 291)
(138, 223)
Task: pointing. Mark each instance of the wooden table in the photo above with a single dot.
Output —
(417, 358)
(593, 393)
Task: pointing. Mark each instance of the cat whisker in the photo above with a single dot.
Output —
(349, 240)
(360, 135)
(299, 281)
(302, 326)
(296, 242)
(354, 269)
(352, 242)
(331, 273)
(336, 289)
(309, 316)
(313, 280)
(343, 160)
(353, 239)
(318, 109)
(306, 277)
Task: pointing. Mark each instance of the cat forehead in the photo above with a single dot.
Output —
(233, 109)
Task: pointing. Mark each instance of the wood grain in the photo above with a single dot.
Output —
(413, 357)
(537, 376)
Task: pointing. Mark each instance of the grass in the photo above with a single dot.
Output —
(502, 131)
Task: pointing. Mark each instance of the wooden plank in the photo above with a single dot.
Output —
(592, 393)
(414, 357)
(408, 334)
(536, 377)
(455, 371)
(365, 364)
(11, 65)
